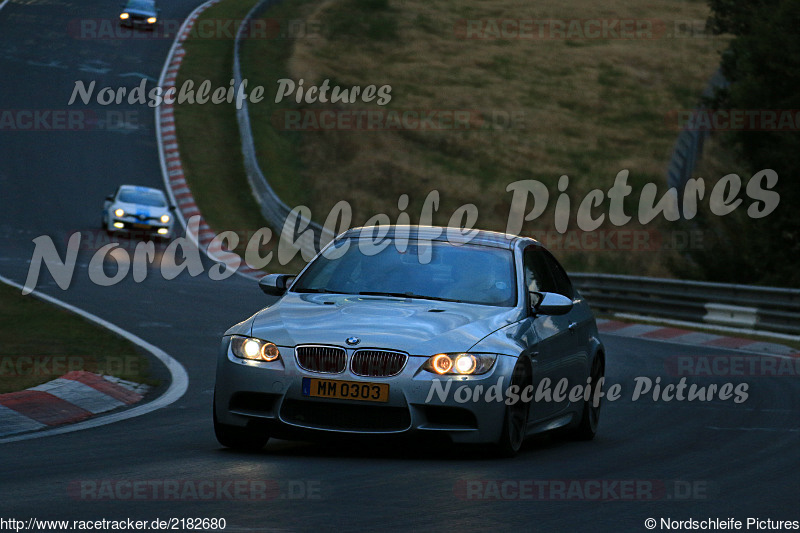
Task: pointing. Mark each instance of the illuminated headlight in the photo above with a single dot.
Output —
(162, 231)
(151, 20)
(165, 218)
(119, 225)
(254, 349)
(119, 213)
(460, 363)
(124, 16)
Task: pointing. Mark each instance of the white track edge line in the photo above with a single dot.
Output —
(176, 389)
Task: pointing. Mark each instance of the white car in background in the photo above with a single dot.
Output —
(138, 211)
(139, 13)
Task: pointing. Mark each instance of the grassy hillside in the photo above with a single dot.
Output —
(539, 107)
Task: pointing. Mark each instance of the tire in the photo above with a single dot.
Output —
(590, 417)
(515, 419)
(239, 438)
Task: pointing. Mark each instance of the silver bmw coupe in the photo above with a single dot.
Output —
(477, 336)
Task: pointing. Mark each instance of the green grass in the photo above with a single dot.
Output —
(354, 20)
(589, 109)
(208, 136)
(40, 342)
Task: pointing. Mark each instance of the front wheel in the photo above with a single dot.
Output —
(239, 438)
(515, 422)
(590, 418)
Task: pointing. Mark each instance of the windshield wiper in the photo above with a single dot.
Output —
(313, 290)
(408, 295)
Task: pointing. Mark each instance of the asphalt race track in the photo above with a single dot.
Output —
(716, 459)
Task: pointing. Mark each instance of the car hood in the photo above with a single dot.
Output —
(419, 327)
(140, 13)
(150, 211)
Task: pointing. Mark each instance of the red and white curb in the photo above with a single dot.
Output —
(196, 226)
(689, 337)
(71, 398)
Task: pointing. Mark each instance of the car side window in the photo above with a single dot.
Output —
(537, 273)
(563, 285)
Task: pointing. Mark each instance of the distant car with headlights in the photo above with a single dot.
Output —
(412, 335)
(139, 13)
(139, 211)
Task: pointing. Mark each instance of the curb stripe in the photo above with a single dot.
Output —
(100, 384)
(665, 333)
(689, 337)
(44, 407)
(80, 395)
(730, 342)
(73, 397)
(13, 422)
(171, 164)
(179, 381)
(611, 325)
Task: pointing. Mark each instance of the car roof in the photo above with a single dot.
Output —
(141, 5)
(140, 188)
(440, 233)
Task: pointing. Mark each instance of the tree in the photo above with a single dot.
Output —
(762, 64)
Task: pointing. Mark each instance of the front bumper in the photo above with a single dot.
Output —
(135, 226)
(137, 22)
(419, 401)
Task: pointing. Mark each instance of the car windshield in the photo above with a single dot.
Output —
(149, 198)
(141, 5)
(431, 270)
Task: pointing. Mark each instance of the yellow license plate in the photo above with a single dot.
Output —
(141, 226)
(346, 390)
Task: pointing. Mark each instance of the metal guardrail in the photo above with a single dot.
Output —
(274, 210)
(767, 308)
(764, 308)
(689, 146)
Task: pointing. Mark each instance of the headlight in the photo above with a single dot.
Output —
(165, 218)
(123, 16)
(254, 349)
(151, 20)
(460, 363)
(119, 213)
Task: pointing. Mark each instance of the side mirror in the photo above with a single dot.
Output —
(110, 197)
(172, 207)
(275, 284)
(550, 303)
